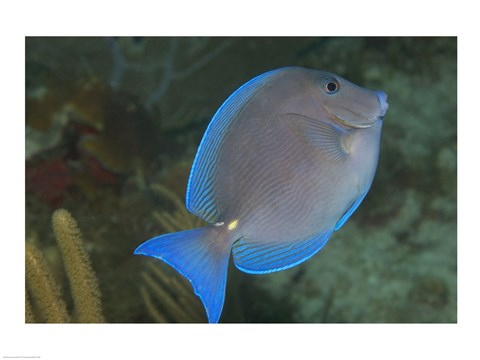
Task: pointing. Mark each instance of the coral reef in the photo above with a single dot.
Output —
(46, 293)
(169, 297)
(130, 112)
(83, 283)
(49, 180)
(178, 219)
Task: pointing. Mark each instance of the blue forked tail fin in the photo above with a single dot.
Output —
(201, 257)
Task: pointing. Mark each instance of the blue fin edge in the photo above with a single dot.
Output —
(350, 211)
(196, 204)
(308, 249)
(181, 258)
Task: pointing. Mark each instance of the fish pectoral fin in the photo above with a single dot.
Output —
(328, 138)
(257, 257)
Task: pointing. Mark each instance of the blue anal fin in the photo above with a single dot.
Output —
(350, 211)
(260, 258)
(195, 255)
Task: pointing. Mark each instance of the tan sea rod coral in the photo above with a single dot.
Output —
(43, 299)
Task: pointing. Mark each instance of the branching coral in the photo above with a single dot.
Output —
(45, 292)
(43, 289)
(167, 296)
(198, 51)
(180, 218)
(83, 282)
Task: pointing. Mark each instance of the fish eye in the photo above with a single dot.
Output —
(331, 86)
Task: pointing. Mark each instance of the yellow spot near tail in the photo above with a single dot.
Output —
(232, 225)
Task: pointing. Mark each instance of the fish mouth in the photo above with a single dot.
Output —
(362, 124)
(382, 99)
(357, 125)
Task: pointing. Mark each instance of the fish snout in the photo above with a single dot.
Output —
(382, 98)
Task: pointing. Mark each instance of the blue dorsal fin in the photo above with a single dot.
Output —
(261, 258)
(326, 137)
(201, 186)
(350, 211)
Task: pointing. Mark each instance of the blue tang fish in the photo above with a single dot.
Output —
(283, 164)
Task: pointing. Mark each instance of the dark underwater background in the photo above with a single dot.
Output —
(112, 127)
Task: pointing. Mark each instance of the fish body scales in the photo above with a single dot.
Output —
(283, 164)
